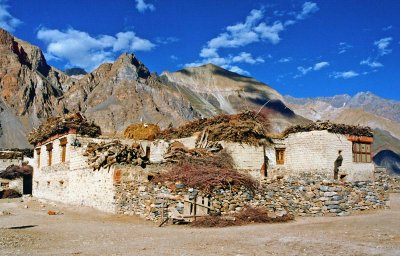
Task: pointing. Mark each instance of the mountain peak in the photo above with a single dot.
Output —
(125, 62)
(5, 37)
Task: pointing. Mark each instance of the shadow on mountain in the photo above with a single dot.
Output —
(388, 159)
(275, 105)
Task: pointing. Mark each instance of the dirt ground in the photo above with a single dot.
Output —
(29, 230)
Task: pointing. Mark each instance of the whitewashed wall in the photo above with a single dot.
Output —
(73, 182)
(4, 163)
(316, 151)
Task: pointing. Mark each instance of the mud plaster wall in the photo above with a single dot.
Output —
(4, 163)
(317, 151)
(73, 182)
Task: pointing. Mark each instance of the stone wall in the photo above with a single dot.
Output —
(311, 195)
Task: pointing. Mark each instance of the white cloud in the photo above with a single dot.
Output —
(227, 62)
(270, 33)
(173, 57)
(321, 65)
(371, 63)
(345, 74)
(7, 21)
(308, 8)
(246, 57)
(252, 30)
(383, 45)
(141, 6)
(285, 60)
(80, 49)
(343, 47)
(238, 70)
(304, 70)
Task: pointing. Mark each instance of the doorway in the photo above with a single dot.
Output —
(27, 184)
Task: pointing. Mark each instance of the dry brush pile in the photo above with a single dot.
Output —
(246, 216)
(246, 127)
(142, 131)
(330, 127)
(60, 125)
(16, 171)
(106, 154)
(207, 173)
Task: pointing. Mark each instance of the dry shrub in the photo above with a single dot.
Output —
(247, 127)
(141, 131)
(260, 215)
(207, 174)
(9, 193)
(213, 222)
(246, 216)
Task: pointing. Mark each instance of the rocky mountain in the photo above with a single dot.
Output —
(359, 110)
(124, 92)
(213, 90)
(366, 101)
(118, 94)
(29, 89)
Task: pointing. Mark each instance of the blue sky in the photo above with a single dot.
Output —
(301, 48)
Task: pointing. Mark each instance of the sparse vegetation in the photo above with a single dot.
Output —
(246, 216)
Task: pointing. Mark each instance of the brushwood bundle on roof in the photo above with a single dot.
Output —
(330, 127)
(60, 125)
(141, 131)
(247, 127)
(13, 153)
(16, 171)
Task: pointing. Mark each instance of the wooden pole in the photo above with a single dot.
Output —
(194, 206)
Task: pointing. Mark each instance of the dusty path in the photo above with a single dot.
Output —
(83, 231)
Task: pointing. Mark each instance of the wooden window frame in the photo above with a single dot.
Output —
(362, 152)
(38, 157)
(280, 156)
(63, 145)
(49, 149)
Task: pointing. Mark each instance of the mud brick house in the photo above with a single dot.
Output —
(14, 172)
(315, 151)
(65, 171)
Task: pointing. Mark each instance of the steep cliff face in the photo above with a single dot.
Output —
(29, 89)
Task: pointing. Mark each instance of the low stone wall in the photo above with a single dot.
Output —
(307, 196)
(394, 184)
